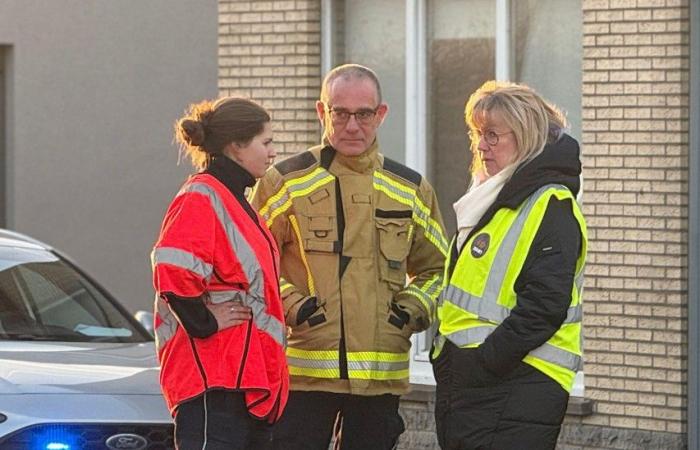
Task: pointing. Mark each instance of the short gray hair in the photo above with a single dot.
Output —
(347, 72)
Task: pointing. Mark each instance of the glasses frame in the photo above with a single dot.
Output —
(364, 122)
(491, 137)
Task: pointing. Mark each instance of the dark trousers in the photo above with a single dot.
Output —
(312, 419)
(219, 420)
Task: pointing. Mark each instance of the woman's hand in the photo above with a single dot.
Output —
(230, 314)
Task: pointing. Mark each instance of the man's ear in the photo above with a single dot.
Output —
(382, 111)
(321, 111)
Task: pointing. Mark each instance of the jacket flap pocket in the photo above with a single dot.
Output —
(318, 196)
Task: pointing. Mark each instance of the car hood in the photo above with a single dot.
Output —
(80, 368)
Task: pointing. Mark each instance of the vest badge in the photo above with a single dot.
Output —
(480, 244)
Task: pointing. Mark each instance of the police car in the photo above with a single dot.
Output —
(77, 371)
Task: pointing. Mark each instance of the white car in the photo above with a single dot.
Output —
(77, 371)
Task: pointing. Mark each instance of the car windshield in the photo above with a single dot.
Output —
(43, 297)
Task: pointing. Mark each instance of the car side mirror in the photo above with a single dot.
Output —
(145, 318)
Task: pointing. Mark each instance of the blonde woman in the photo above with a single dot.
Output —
(509, 341)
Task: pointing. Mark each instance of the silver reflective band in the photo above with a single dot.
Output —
(312, 363)
(493, 312)
(546, 352)
(182, 259)
(558, 356)
(167, 328)
(378, 366)
(328, 364)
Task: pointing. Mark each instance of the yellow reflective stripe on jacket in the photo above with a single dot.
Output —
(285, 286)
(361, 365)
(421, 214)
(296, 187)
(309, 278)
(427, 294)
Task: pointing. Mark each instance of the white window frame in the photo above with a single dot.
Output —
(416, 124)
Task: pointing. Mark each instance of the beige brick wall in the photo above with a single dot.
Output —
(635, 146)
(270, 51)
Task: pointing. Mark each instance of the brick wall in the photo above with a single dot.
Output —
(635, 146)
(270, 51)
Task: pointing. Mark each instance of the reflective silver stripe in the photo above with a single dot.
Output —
(507, 248)
(249, 263)
(167, 328)
(475, 335)
(579, 279)
(558, 356)
(378, 366)
(292, 188)
(493, 312)
(182, 259)
(546, 352)
(312, 363)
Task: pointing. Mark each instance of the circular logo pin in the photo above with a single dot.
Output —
(480, 244)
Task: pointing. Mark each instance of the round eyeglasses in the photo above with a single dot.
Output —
(491, 137)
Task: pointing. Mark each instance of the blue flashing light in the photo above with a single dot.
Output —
(55, 437)
(57, 446)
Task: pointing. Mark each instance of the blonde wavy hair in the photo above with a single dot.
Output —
(532, 119)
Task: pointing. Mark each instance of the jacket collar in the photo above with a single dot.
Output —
(361, 163)
(230, 174)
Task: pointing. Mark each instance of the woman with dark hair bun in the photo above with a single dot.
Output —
(219, 324)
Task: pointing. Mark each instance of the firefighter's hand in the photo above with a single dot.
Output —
(230, 314)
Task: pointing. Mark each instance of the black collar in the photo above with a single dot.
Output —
(233, 176)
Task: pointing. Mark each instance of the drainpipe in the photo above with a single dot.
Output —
(694, 234)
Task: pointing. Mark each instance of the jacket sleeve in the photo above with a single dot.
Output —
(183, 257)
(266, 198)
(426, 260)
(543, 291)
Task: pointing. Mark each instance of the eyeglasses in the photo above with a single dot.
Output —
(342, 116)
(491, 137)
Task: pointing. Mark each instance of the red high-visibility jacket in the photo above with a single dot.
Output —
(209, 247)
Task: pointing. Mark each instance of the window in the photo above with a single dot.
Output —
(430, 55)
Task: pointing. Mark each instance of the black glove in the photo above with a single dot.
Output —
(399, 316)
(306, 310)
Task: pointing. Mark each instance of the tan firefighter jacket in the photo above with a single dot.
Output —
(363, 235)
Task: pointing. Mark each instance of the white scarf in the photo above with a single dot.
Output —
(472, 205)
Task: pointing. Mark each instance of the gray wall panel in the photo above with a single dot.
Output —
(96, 87)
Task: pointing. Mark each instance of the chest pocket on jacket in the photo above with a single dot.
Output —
(318, 224)
(395, 236)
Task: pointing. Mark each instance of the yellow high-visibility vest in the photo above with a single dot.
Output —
(480, 292)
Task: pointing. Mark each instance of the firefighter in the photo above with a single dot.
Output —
(220, 331)
(509, 341)
(362, 251)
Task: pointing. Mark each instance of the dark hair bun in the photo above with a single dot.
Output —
(193, 132)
